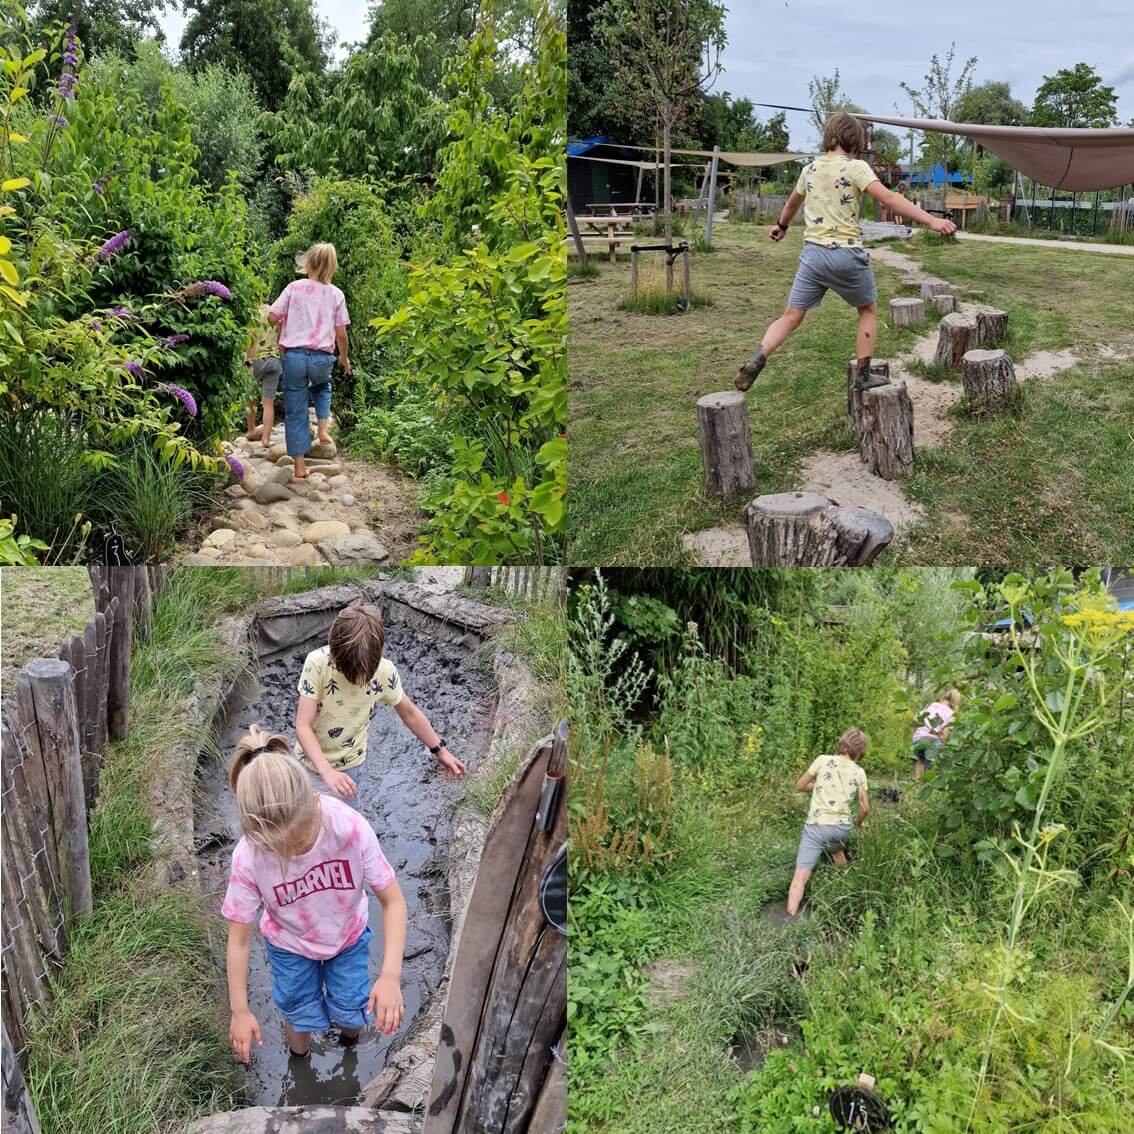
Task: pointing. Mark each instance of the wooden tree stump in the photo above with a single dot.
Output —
(803, 529)
(726, 443)
(943, 303)
(854, 397)
(885, 431)
(956, 335)
(937, 287)
(907, 312)
(990, 379)
(991, 327)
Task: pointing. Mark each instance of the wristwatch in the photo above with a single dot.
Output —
(436, 749)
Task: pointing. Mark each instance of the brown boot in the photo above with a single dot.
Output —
(750, 371)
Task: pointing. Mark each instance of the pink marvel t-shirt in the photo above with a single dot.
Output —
(319, 908)
(310, 311)
(934, 718)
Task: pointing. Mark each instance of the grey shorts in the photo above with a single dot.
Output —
(817, 838)
(845, 271)
(267, 371)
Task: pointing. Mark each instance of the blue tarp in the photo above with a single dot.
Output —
(938, 176)
(577, 149)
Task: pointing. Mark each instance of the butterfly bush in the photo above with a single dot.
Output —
(115, 244)
(134, 369)
(174, 341)
(236, 466)
(182, 395)
(206, 287)
(68, 80)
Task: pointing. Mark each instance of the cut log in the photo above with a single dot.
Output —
(956, 335)
(803, 529)
(943, 303)
(991, 327)
(726, 443)
(907, 312)
(885, 431)
(937, 287)
(854, 398)
(990, 380)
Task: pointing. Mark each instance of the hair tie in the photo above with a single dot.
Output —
(257, 751)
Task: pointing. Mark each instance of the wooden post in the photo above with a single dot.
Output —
(143, 603)
(118, 692)
(19, 1115)
(885, 431)
(712, 200)
(634, 272)
(943, 303)
(726, 443)
(687, 290)
(907, 312)
(478, 577)
(854, 397)
(991, 327)
(803, 529)
(573, 225)
(990, 380)
(956, 334)
(938, 287)
(57, 728)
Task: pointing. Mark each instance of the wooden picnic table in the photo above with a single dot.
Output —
(634, 208)
(613, 234)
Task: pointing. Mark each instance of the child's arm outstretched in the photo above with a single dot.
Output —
(896, 203)
(339, 782)
(791, 207)
(386, 1004)
(418, 723)
(244, 1026)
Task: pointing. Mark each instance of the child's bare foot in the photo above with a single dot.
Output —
(324, 440)
(750, 371)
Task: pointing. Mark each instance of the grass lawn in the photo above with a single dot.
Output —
(39, 607)
(1049, 485)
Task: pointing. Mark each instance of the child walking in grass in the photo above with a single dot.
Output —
(833, 258)
(263, 358)
(312, 318)
(935, 722)
(340, 686)
(308, 859)
(836, 783)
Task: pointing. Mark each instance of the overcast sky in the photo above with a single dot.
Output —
(348, 18)
(775, 46)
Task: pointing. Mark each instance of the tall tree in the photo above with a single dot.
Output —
(939, 97)
(106, 25)
(596, 102)
(827, 96)
(666, 53)
(991, 104)
(1075, 97)
(269, 40)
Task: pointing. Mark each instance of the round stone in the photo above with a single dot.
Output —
(222, 537)
(235, 492)
(339, 480)
(259, 551)
(252, 521)
(271, 493)
(303, 556)
(309, 514)
(324, 529)
(347, 500)
(286, 538)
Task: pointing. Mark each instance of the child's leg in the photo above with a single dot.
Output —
(346, 977)
(839, 857)
(297, 993)
(269, 408)
(298, 1042)
(795, 892)
(918, 768)
(867, 334)
(249, 420)
(776, 335)
(296, 430)
(321, 396)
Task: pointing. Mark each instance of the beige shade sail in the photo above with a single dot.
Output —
(1077, 160)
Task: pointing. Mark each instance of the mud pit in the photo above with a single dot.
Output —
(407, 799)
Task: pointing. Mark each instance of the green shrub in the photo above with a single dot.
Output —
(407, 433)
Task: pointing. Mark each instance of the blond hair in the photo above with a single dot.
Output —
(320, 262)
(357, 639)
(274, 796)
(852, 743)
(953, 699)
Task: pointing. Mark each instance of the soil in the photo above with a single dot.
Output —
(668, 979)
(407, 799)
(751, 1051)
(844, 479)
(41, 606)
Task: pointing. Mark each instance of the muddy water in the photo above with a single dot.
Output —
(407, 799)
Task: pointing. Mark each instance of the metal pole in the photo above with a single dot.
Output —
(1051, 216)
(712, 198)
(1095, 214)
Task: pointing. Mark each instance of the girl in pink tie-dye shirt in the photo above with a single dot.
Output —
(308, 860)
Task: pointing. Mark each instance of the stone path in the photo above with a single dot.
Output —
(329, 517)
(1075, 245)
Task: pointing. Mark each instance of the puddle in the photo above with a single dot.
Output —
(406, 798)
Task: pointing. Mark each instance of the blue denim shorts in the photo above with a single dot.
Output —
(845, 271)
(312, 995)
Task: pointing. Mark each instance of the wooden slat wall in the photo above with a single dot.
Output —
(540, 584)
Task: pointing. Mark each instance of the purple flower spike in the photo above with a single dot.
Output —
(59, 120)
(115, 244)
(206, 287)
(99, 186)
(134, 369)
(121, 312)
(236, 466)
(183, 396)
(96, 325)
(174, 341)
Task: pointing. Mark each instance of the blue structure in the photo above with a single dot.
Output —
(936, 176)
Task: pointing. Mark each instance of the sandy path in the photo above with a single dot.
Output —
(1073, 245)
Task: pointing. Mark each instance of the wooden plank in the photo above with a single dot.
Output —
(58, 731)
(22, 961)
(75, 652)
(143, 605)
(550, 1113)
(108, 626)
(500, 863)
(92, 703)
(40, 793)
(19, 1114)
(10, 1012)
(118, 689)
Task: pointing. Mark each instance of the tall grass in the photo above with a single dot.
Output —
(134, 1038)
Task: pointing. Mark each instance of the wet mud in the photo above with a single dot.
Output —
(408, 800)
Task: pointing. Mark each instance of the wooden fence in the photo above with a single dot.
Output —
(745, 205)
(538, 583)
(499, 1066)
(56, 726)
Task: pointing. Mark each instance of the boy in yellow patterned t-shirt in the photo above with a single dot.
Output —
(833, 257)
(262, 358)
(340, 686)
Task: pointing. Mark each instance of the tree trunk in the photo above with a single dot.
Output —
(803, 529)
(956, 337)
(939, 287)
(885, 431)
(991, 327)
(726, 443)
(854, 397)
(943, 303)
(666, 145)
(907, 312)
(990, 380)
